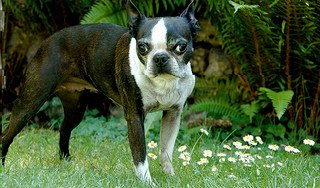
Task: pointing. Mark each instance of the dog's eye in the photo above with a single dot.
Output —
(143, 48)
(180, 48)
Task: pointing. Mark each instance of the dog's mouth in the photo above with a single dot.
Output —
(163, 73)
(165, 70)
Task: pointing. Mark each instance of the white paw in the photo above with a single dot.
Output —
(143, 173)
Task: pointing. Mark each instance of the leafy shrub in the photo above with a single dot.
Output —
(98, 128)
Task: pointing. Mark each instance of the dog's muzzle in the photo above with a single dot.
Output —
(161, 59)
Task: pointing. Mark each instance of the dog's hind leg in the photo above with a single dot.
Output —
(32, 96)
(74, 105)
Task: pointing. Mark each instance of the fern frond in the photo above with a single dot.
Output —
(280, 100)
(238, 6)
(229, 89)
(221, 108)
(106, 11)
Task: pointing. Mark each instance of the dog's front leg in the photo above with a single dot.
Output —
(169, 132)
(138, 146)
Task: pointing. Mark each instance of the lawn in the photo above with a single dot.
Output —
(105, 161)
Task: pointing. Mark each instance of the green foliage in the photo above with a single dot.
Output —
(237, 6)
(280, 100)
(37, 8)
(250, 109)
(54, 111)
(106, 11)
(277, 130)
(99, 128)
(152, 120)
(230, 88)
(259, 123)
(228, 102)
(220, 99)
(5, 120)
(218, 108)
(275, 45)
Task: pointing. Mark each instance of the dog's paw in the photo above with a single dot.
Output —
(143, 173)
(167, 168)
(65, 157)
(146, 178)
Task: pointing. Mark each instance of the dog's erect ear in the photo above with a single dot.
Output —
(188, 13)
(135, 17)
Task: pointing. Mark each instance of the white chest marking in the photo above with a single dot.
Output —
(164, 92)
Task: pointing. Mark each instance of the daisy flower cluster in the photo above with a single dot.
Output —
(184, 155)
(249, 152)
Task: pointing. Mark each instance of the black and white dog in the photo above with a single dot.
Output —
(144, 68)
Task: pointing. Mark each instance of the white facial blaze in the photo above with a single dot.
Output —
(159, 44)
(159, 35)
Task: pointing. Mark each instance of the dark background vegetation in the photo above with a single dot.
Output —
(273, 46)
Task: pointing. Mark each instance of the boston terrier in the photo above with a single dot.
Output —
(144, 68)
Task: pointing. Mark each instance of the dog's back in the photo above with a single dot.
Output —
(79, 44)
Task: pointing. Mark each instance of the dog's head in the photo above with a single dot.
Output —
(162, 46)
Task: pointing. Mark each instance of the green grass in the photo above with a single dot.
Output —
(98, 161)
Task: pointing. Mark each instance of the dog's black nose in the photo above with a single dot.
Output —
(160, 59)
